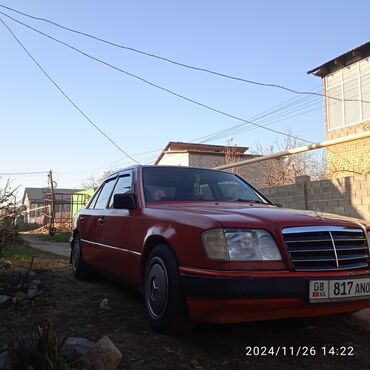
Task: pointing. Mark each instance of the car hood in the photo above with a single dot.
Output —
(239, 214)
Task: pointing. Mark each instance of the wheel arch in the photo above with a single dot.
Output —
(71, 242)
(149, 245)
(75, 232)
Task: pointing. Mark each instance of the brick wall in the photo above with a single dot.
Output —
(347, 196)
(348, 158)
(250, 172)
(174, 159)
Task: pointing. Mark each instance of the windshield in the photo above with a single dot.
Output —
(191, 184)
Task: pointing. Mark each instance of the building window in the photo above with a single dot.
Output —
(351, 85)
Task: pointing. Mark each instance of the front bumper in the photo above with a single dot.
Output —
(244, 287)
(227, 299)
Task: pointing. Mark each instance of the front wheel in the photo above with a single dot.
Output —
(164, 300)
(80, 269)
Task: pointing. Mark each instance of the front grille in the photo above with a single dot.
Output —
(326, 248)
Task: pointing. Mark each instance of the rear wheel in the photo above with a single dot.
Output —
(80, 269)
(164, 300)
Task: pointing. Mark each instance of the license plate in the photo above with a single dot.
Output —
(337, 290)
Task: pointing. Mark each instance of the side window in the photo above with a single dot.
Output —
(91, 204)
(104, 195)
(123, 185)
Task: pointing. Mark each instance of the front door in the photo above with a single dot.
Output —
(94, 225)
(117, 224)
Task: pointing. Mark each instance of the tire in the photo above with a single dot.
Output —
(164, 300)
(80, 269)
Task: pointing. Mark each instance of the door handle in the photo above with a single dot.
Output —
(101, 220)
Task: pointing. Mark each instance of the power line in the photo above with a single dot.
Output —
(66, 96)
(285, 112)
(241, 129)
(266, 122)
(296, 101)
(272, 113)
(143, 80)
(23, 173)
(223, 113)
(184, 65)
(234, 130)
(276, 121)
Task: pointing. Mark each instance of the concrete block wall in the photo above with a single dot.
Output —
(347, 196)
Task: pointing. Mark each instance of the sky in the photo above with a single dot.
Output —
(274, 42)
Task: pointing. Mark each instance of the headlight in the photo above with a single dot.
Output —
(240, 245)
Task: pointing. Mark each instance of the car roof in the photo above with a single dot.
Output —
(133, 167)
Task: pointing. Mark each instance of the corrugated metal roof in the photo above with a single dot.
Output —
(34, 195)
(342, 60)
(38, 195)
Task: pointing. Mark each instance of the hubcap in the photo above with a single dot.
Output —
(157, 288)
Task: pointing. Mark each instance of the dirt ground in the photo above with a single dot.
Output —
(73, 308)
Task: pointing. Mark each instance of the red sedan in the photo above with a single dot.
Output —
(204, 245)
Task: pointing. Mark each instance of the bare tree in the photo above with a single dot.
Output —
(283, 171)
(9, 213)
(94, 182)
(232, 156)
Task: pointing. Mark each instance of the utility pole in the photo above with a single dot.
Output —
(52, 216)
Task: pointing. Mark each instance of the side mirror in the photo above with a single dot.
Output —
(124, 201)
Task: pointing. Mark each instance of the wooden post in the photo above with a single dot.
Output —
(52, 218)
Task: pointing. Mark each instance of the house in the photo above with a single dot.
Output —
(38, 201)
(80, 198)
(346, 90)
(208, 156)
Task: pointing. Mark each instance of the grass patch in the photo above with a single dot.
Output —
(18, 252)
(39, 349)
(58, 237)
